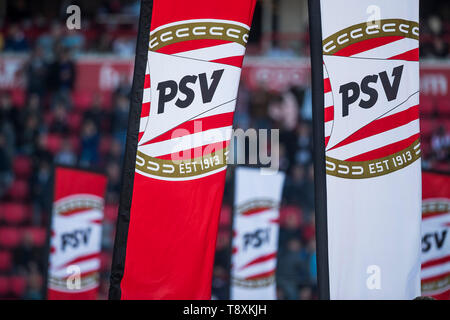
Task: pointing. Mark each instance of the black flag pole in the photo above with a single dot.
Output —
(320, 190)
(137, 91)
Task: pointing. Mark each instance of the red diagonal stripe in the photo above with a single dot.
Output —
(255, 211)
(411, 55)
(327, 139)
(232, 61)
(436, 262)
(207, 123)
(382, 125)
(175, 48)
(80, 259)
(147, 81)
(386, 150)
(366, 45)
(329, 113)
(326, 85)
(145, 112)
(264, 258)
(434, 278)
(261, 275)
(433, 214)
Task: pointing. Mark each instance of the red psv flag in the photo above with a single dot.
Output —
(75, 236)
(185, 85)
(435, 271)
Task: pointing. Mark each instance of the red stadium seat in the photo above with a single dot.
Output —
(427, 126)
(18, 97)
(107, 102)
(5, 261)
(225, 216)
(4, 286)
(53, 143)
(17, 285)
(76, 143)
(22, 167)
(290, 213)
(443, 106)
(9, 237)
(82, 100)
(39, 236)
(110, 212)
(19, 190)
(105, 145)
(105, 261)
(16, 213)
(74, 121)
(426, 105)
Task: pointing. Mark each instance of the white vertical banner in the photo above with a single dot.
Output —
(372, 147)
(255, 234)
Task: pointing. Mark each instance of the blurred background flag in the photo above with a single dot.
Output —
(184, 93)
(367, 157)
(75, 234)
(255, 234)
(436, 235)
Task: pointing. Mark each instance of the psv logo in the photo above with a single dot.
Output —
(183, 91)
(371, 99)
(371, 86)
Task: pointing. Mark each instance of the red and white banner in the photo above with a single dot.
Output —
(370, 101)
(435, 272)
(185, 86)
(255, 234)
(75, 236)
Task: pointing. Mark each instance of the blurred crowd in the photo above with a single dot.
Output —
(49, 127)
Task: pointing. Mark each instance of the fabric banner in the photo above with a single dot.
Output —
(367, 138)
(255, 234)
(185, 85)
(436, 235)
(75, 236)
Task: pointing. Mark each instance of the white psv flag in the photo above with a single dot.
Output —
(370, 147)
(255, 234)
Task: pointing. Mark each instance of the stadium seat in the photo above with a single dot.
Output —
(9, 237)
(18, 97)
(22, 167)
(76, 143)
(82, 100)
(426, 106)
(5, 261)
(427, 126)
(110, 212)
(19, 190)
(53, 143)
(17, 285)
(290, 212)
(105, 145)
(4, 286)
(443, 106)
(105, 261)
(39, 235)
(16, 213)
(48, 118)
(107, 103)
(225, 216)
(74, 121)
